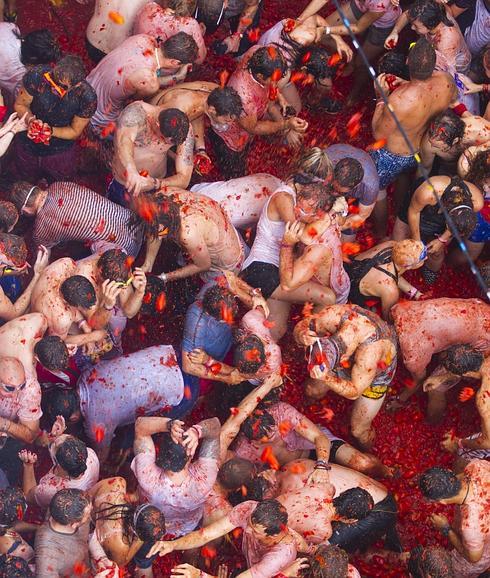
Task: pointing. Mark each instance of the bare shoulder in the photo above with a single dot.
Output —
(134, 115)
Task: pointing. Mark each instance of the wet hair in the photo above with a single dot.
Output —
(313, 187)
(14, 248)
(208, 12)
(348, 172)
(71, 69)
(181, 47)
(255, 489)
(405, 253)
(316, 162)
(115, 265)
(235, 472)
(460, 359)
(439, 484)
(8, 216)
(354, 503)
(430, 562)
(220, 303)
(21, 192)
(448, 127)
(13, 506)
(393, 63)
(60, 401)
(14, 567)
(454, 196)
(266, 61)
(226, 101)
(155, 299)
(72, 456)
(145, 521)
(174, 124)
(68, 506)
(429, 12)
(78, 291)
(328, 561)
(182, 8)
(39, 47)
(421, 60)
(272, 515)
(165, 217)
(479, 168)
(52, 353)
(248, 353)
(258, 425)
(171, 456)
(315, 60)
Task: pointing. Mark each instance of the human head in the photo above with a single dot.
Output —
(393, 63)
(13, 254)
(171, 456)
(220, 303)
(12, 377)
(61, 401)
(25, 197)
(353, 504)
(315, 61)
(347, 174)
(39, 47)
(52, 353)
(14, 567)
(409, 254)
(70, 454)
(78, 291)
(182, 8)
(430, 562)
(174, 125)
(148, 523)
(258, 426)
(13, 506)
(166, 221)
(115, 265)
(8, 216)
(457, 199)
(421, 60)
(69, 71)
(224, 105)
(266, 64)
(254, 489)
(269, 518)
(155, 298)
(479, 171)
(248, 354)
(70, 507)
(180, 49)
(210, 13)
(328, 561)
(425, 15)
(313, 197)
(462, 358)
(439, 484)
(446, 130)
(316, 162)
(235, 472)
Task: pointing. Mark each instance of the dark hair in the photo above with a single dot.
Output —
(20, 192)
(267, 61)
(348, 172)
(171, 456)
(115, 265)
(272, 515)
(39, 47)
(208, 12)
(439, 484)
(248, 353)
(354, 503)
(448, 127)
(52, 353)
(235, 472)
(393, 63)
(70, 68)
(258, 425)
(67, 506)
(315, 60)
(181, 47)
(174, 124)
(430, 562)
(311, 186)
(479, 168)
(165, 215)
(421, 60)
(460, 359)
(458, 200)
(220, 303)
(155, 298)
(13, 506)
(14, 248)
(72, 456)
(255, 489)
(78, 291)
(429, 12)
(226, 101)
(145, 521)
(8, 216)
(60, 401)
(328, 561)
(14, 567)
(182, 7)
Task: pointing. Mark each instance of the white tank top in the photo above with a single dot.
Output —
(267, 244)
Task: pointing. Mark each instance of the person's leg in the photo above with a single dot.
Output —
(380, 215)
(368, 464)
(361, 73)
(363, 413)
(247, 39)
(401, 230)
(279, 315)
(191, 394)
(117, 193)
(474, 250)
(310, 292)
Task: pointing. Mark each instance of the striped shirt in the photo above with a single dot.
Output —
(74, 213)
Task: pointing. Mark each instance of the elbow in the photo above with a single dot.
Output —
(287, 286)
(139, 427)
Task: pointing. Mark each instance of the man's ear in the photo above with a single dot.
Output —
(174, 62)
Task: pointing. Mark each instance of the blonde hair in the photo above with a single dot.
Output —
(405, 253)
(315, 161)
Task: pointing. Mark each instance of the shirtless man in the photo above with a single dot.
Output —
(358, 361)
(110, 25)
(201, 227)
(137, 69)
(163, 23)
(428, 327)
(143, 137)
(415, 103)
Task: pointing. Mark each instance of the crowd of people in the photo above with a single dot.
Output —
(112, 457)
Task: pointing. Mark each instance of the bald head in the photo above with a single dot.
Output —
(11, 371)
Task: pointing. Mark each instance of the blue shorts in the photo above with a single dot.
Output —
(118, 194)
(481, 233)
(390, 165)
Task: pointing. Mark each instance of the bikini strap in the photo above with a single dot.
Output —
(385, 257)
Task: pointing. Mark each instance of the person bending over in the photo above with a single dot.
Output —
(13, 507)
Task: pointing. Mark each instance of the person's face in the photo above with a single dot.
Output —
(12, 388)
(439, 144)
(54, 445)
(221, 121)
(306, 209)
(419, 28)
(259, 531)
(339, 189)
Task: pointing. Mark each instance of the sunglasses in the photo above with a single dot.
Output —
(12, 388)
(125, 283)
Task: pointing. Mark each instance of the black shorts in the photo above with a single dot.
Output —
(335, 445)
(429, 228)
(94, 53)
(262, 275)
(374, 35)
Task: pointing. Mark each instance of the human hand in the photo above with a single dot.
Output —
(471, 87)
(15, 124)
(435, 247)
(319, 476)
(182, 72)
(292, 233)
(110, 293)
(274, 380)
(191, 441)
(136, 183)
(199, 356)
(296, 568)
(389, 82)
(58, 427)
(297, 124)
(232, 43)
(319, 372)
(392, 39)
(177, 431)
(304, 335)
(395, 3)
(42, 259)
(343, 48)
(259, 301)
(27, 457)
(185, 571)
(450, 443)
(161, 548)
(439, 521)
(294, 139)
(139, 280)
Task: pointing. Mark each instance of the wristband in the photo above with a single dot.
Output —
(198, 429)
(322, 465)
(413, 292)
(163, 277)
(286, 246)
(327, 30)
(444, 241)
(460, 109)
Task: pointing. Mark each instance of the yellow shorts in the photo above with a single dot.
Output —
(375, 391)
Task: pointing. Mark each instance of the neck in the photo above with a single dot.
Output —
(60, 528)
(41, 200)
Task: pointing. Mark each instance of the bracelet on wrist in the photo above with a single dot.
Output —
(328, 30)
(444, 241)
(163, 277)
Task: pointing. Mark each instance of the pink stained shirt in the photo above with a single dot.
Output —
(253, 322)
(154, 20)
(24, 404)
(11, 68)
(475, 512)
(263, 561)
(182, 506)
(390, 12)
(50, 483)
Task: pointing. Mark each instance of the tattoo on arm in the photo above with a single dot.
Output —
(143, 445)
(133, 115)
(189, 150)
(210, 448)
